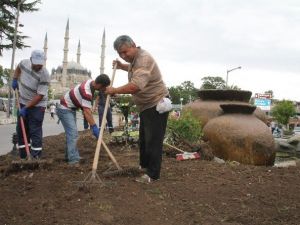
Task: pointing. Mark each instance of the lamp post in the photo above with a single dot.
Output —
(13, 58)
(228, 71)
(181, 99)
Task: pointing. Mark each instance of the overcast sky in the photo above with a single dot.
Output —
(189, 39)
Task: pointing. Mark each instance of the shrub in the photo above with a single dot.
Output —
(185, 128)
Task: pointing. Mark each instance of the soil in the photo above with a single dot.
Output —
(189, 192)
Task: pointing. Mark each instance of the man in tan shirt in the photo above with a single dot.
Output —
(148, 89)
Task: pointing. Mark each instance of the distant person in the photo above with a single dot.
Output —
(79, 97)
(100, 103)
(273, 126)
(52, 111)
(148, 91)
(32, 80)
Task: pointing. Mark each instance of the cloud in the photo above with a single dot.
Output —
(189, 39)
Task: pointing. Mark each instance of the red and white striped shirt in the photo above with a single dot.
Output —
(79, 97)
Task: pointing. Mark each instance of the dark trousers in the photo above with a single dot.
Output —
(33, 126)
(108, 116)
(151, 137)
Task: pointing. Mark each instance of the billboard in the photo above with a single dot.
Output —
(263, 104)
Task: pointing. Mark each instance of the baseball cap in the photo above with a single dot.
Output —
(37, 57)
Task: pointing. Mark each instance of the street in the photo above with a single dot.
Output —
(50, 127)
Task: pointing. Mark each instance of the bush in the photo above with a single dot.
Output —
(185, 128)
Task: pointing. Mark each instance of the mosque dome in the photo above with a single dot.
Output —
(76, 66)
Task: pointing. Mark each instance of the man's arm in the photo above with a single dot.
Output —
(129, 88)
(17, 73)
(122, 66)
(36, 99)
(88, 116)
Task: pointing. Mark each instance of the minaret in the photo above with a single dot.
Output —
(78, 52)
(45, 48)
(65, 61)
(102, 53)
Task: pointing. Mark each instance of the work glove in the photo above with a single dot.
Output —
(95, 130)
(23, 112)
(14, 84)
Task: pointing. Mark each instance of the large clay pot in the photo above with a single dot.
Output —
(238, 135)
(208, 105)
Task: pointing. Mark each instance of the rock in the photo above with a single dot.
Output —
(294, 140)
(285, 164)
(285, 146)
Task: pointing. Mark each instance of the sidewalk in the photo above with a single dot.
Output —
(5, 120)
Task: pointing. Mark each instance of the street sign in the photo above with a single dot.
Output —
(266, 95)
(264, 104)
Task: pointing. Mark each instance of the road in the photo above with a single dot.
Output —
(50, 127)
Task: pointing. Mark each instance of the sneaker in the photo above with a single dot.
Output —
(145, 179)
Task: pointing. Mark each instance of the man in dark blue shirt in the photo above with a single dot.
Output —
(100, 102)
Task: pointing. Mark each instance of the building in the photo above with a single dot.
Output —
(70, 73)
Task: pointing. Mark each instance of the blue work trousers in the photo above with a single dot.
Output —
(108, 116)
(33, 123)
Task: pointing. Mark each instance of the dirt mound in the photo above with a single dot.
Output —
(189, 192)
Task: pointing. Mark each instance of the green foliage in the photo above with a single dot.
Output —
(283, 110)
(8, 9)
(213, 83)
(186, 127)
(125, 104)
(185, 90)
(233, 87)
(270, 92)
(4, 75)
(50, 93)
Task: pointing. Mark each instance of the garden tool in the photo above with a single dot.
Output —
(29, 162)
(92, 177)
(183, 155)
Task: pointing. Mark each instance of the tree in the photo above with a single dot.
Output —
(270, 92)
(186, 90)
(8, 10)
(282, 111)
(213, 83)
(4, 74)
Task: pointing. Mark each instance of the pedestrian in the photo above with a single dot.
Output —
(32, 80)
(100, 103)
(80, 97)
(148, 91)
(52, 110)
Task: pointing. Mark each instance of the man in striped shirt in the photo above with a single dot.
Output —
(80, 97)
(32, 79)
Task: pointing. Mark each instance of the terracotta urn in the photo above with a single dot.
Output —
(208, 105)
(238, 135)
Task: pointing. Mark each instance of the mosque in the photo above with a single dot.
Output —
(70, 73)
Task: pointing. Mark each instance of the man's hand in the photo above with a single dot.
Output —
(95, 130)
(23, 112)
(119, 64)
(14, 84)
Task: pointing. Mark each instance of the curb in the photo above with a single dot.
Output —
(4, 121)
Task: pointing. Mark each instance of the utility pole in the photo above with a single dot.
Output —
(13, 61)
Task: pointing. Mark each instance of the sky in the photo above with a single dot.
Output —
(189, 39)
